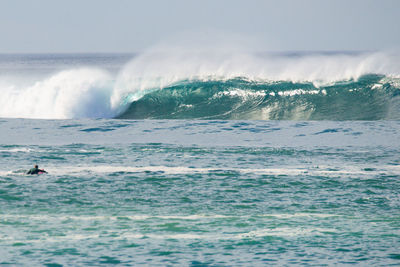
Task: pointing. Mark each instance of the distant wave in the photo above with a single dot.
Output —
(217, 85)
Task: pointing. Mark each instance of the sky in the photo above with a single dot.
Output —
(80, 26)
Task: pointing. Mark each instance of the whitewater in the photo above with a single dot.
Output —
(200, 157)
(197, 84)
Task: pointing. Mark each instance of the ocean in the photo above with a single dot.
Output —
(200, 159)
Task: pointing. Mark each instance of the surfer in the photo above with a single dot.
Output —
(36, 170)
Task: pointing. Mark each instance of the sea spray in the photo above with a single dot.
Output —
(75, 93)
(276, 85)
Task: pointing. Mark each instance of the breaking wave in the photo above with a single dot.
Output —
(183, 84)
(371, 97)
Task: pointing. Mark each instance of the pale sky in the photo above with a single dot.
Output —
(69, 26)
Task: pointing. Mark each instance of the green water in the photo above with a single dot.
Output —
(159, 204)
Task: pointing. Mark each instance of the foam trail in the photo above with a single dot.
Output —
(295, 170)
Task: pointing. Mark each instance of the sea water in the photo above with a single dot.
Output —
(235, 169)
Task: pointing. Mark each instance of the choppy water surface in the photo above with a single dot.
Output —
(201, 193)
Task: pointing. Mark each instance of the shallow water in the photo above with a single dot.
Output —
(201, 193)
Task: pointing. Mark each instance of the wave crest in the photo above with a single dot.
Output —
(371, 97)
(217, 84)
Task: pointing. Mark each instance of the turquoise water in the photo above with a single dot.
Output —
(200, 159)
(370, 97)
(202, 85)
(202, 193)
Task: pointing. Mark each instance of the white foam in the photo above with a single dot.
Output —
(76, 93)
(328, 171)
(94, 93)
(279, 232)
(72, 237)
(191, 217)
(242, 93)
(168, 64)
(295, 215)
(142, 217)
(170, 170)
(51, 239)
(112, 169)
(298, 92)
(15, 150)
(161, 236)
(294, 170)
(111, 218)
(285, 231)
(5, 173)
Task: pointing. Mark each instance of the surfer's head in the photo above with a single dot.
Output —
(36, 166)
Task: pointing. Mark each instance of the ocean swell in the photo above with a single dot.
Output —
(371, 97)
(187, 84)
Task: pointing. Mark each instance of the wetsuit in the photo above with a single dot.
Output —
(35, 171)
